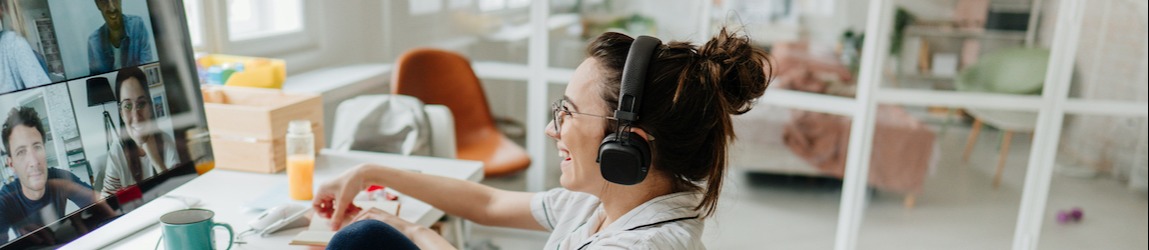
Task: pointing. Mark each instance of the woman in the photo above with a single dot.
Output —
(19, 66)
(687, 99)
(145, 151)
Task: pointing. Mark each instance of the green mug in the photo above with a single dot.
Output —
(192, 229)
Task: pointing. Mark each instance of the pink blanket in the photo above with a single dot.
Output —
(901, 152)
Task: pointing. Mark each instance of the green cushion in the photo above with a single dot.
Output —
(1009, 71)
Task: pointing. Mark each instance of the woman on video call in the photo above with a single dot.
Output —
(144, 150)
(687, 99)
(19, 65)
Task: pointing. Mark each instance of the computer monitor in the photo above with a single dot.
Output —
(101, 113)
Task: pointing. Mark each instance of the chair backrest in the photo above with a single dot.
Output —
(393, 124)
(1010, 71)
(442, 131)
(446, 78)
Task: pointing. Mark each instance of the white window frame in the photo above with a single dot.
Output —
(216, 38)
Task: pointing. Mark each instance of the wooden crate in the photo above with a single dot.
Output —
(248, 125)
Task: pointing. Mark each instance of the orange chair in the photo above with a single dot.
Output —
(443, 77)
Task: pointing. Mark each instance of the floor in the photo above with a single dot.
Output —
(959, 209)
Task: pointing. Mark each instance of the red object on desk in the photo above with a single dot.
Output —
(388, 195)
(374, 187)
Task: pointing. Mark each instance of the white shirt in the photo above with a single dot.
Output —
(117, 174)
(665, 222)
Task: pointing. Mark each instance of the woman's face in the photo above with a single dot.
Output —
(579, 135)
(136, 110)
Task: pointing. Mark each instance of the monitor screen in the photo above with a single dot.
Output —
(101, 113)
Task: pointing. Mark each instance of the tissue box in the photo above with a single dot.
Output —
(248, 125)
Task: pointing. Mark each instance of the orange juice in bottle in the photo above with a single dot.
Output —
(300, 159)
(300, 170)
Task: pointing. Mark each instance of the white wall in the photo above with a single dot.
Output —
(92, 121)
(1111, 65)
(344, 33)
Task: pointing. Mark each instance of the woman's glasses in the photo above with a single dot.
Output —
(559, 110)
(139, 104)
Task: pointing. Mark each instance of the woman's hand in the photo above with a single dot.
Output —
(333, 200)
(138, 137)
(151, 149)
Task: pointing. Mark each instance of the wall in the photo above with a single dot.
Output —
(402, 30)
(1111, 65)
(340, 34)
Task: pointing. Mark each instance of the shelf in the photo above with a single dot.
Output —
(959, 99)
(518, 72)
(810, 101)
(964, 33)
(925, 77)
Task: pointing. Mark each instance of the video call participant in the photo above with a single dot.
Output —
(688, 97)
(144, 150)
(19, 66)
(123, 40)
(40, 193)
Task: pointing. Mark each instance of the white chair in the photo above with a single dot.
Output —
(442, 130)
(365, 115)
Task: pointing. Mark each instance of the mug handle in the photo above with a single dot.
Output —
(230, 234)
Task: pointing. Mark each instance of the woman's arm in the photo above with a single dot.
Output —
(28, 67)
(472, 201)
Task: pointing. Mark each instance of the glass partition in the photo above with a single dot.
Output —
(945, 182)
(1097, 197)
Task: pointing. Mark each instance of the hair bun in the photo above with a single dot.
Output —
(735, 66)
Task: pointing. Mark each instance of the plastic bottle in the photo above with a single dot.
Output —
(300, 159)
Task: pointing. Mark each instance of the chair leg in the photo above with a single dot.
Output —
(909, 201)
(1001, 158)
(971, 140)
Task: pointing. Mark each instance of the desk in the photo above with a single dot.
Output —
(226, 192)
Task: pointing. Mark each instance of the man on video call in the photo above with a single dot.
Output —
(40, 193)
(123, 40)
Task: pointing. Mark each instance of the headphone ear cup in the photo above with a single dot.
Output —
(624, 161)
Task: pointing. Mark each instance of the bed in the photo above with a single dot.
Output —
(779, 140)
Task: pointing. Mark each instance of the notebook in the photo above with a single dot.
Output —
(319, 232)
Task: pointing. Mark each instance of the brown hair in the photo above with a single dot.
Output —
(688, 97)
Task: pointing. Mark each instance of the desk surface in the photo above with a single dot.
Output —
(227, 192)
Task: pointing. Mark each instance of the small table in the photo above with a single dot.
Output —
(227, 192)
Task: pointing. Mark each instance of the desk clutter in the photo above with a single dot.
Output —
(249, 125)
(216, 69)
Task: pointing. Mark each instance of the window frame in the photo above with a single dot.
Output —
(216, 38)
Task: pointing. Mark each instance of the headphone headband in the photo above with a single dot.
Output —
(633, 77)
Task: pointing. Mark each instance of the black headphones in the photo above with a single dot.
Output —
(624, 156)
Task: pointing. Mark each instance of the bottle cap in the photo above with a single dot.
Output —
(299, 127)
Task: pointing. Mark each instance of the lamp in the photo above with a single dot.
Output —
(100, 93)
